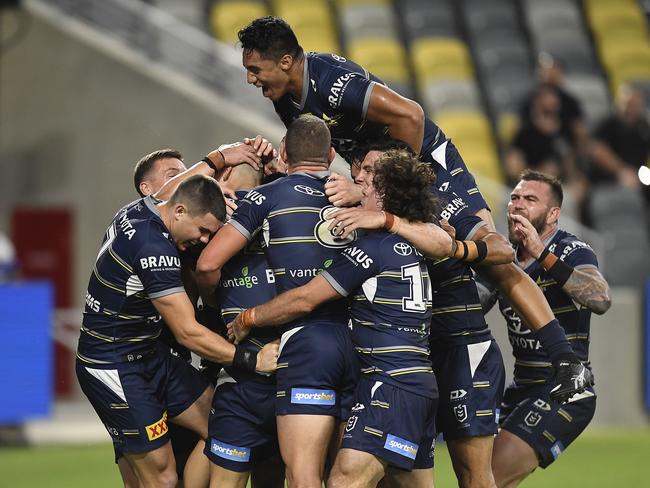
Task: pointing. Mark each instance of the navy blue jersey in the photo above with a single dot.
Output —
(388, 285)
(457, 317)
(338, 91)
(137, 261)
(247, 280)
(532, 364)
(291, 213)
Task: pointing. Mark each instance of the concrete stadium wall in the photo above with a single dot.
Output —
(76, 116)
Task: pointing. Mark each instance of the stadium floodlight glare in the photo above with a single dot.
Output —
(644, 175)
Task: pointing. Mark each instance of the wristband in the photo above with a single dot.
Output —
(463, 245)
(210, 163)
(560, 272)
(482, 250)
(389, 220)
(244, 359)
(248, 318)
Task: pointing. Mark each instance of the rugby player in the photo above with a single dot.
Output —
(317, 369)
(242, 433)
(389, 291)
(466, 358)
(130, 378)
(356, 105)
(534, 428)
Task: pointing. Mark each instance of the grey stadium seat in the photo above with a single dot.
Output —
(368, 21)
(438, 96)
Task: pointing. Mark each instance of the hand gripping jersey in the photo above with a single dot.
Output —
(532, 365)
(292, 214)
(389, 291)
(137, 261)
(338, 91)
(457, 317)
(247, 280)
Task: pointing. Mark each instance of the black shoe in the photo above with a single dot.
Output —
(571, 377)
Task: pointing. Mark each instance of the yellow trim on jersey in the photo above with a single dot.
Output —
(106, 283)
(119, 261)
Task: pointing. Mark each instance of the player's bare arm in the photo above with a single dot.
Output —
(178, 313)
(588, 287)
(428, 238)
(284, 308)
(223, 246)
(251, 151)
(495, 248)
(404, 117)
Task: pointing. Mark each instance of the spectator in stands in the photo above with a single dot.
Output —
(622, 142)
(572, 125)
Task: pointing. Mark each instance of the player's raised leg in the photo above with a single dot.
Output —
(513, 460)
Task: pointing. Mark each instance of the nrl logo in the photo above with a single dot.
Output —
(460, 411)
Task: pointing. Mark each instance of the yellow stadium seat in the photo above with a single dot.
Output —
(618, 17)
(320, 40)
(468, 125)
(507, 127)
(592, 6)
(619, 34)
(383, 57)
(352, 3)
(227, 17)
(298, 13)
(619, 55)
(439, 58)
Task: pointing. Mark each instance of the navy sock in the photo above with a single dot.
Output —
(554, 341)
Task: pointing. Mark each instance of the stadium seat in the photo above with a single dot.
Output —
(440, 59)
(619, 14)
(507, 126)
(350, 3)
(438, 96)
(312, 22)
(572, 48)
(428, 21)
(359, 21)
(383, 57)
(626, 62)
(466, 126)
(490, 15)
(227, 17)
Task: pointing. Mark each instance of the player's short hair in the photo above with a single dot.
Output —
(201, 195)
(270, 36)
(403, 183)
(308, 139)
(552, 181)
(146, 163)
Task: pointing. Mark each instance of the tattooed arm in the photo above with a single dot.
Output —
(588, 287)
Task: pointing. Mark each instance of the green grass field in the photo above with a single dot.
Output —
(600, 458)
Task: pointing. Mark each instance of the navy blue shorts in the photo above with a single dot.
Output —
(317, 371)
(452, 175)
(545, 425)
(471, 378)
(134, 400)
(242, 430)
(391, 423)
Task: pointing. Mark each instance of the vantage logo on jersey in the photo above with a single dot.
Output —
(401, 446)
(310, 396)
(157, 429)
(226, 451)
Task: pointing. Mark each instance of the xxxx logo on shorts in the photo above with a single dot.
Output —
(157, 429)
